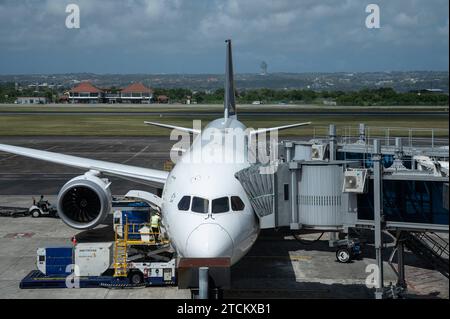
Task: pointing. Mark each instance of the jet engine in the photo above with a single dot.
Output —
(85, 201)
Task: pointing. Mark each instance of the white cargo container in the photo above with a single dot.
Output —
(93, 259)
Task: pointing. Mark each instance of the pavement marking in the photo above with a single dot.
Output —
(298, 258)
(12, 156)
(7, 158)
(19, 235)
(137, 154)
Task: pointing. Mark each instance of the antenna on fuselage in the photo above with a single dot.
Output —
(229, 101)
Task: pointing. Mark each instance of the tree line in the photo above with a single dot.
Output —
(9, 94)
(365, 97)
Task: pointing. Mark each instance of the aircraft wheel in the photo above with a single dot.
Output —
(343, 255)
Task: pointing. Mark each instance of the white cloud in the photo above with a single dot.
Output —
(404, 20)
(444, 29)
(162, 9)
(284, 29)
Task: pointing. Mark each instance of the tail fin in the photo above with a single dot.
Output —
(230, 103)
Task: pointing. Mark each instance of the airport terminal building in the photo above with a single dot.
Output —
(87, 93)
(135, 93)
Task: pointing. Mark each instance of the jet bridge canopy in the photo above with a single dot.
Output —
(259, 188)
(301, 194)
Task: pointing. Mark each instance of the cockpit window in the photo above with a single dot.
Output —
(220, 205)
(184, 203)
(200, 205)
(237, 203)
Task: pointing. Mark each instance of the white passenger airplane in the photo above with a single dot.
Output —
(205, 210)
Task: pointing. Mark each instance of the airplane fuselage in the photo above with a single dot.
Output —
(205, 210)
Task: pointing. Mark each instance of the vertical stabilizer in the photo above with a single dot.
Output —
(229, 103)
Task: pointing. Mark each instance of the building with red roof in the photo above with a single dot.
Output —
(136, 93)
(85, 92)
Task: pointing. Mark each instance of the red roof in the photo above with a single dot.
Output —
(136, 88)
(85, 87)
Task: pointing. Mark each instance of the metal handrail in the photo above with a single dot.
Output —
(434, 136)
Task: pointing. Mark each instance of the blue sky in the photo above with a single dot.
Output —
(175, 36)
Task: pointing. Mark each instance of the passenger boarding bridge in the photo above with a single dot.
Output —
(362, 180)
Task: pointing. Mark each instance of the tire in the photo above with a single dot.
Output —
(35, 213)
(343, 255)
(136, 278)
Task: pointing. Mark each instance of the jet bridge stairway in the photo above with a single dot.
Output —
(430, 247)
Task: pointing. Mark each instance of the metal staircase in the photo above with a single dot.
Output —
(120, 254)
(432, 248)
(133, 236)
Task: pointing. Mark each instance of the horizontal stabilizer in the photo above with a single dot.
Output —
(173, 127)
(278, 128)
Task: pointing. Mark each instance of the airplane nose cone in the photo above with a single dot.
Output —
(209, 241)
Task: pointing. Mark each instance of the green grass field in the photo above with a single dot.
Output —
(130, 124)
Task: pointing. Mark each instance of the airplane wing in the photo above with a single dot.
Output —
(173, 127)
(148, 176)
(278, 128)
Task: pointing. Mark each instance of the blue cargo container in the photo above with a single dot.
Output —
(55, 260)
(130, 212)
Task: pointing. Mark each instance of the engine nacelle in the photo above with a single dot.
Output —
(84, 201)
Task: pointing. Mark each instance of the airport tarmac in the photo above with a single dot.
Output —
(277, 266)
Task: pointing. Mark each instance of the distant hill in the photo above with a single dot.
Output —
(399, 81)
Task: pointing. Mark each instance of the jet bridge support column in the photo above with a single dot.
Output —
(333, 237)
(294, 208)
(203, 282)
(332, 141)
(401, 264)
(378, 216)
